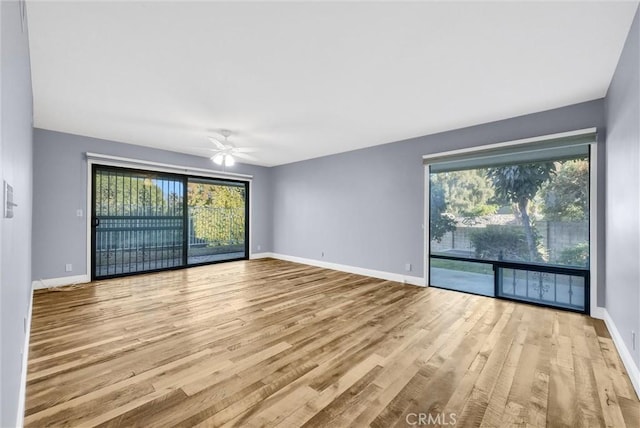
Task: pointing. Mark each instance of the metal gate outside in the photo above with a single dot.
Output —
(138, 221)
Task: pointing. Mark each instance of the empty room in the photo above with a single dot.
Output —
(323, 214)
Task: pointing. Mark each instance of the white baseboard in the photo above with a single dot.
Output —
(625, 355)
(60, 282)
(25, 363)
(260, 255)
(413, 280)
(597, 312)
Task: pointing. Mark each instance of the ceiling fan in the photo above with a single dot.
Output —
(226, 152)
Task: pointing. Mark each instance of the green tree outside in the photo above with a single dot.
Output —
(440, 221)
(519, 184)
(566, 197)
(468, 194)
(217, 213)
(130, 196)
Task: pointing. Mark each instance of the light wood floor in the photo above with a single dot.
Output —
(267, 342)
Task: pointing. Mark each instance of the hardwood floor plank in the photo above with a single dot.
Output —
(272, 343)
(326, 396)
(537, 406)
(340, 404)
(611, 411)
(561, 410)
(617, 371)
(97, 398)
(523, 407)
(630, 411)
(589, 410)
(142, 408)
(497, 404)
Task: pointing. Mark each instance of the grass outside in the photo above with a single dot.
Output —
(482, 268)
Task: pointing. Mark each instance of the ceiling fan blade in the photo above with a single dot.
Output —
(209, 149)
(245, 150)
(245, 156)
(217, 143)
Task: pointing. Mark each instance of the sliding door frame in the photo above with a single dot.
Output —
(591, 300)
(92, 217)
(247, 226)
(164, 168)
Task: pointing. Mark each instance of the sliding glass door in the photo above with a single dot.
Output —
(218, 212)
(513, 226)
(145, 221)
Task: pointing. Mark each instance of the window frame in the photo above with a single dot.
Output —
(163, 168)
(591, 276)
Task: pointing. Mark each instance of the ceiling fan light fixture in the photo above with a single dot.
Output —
(218, 159)
(223, 153)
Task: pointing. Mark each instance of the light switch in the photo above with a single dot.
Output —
(8, 200)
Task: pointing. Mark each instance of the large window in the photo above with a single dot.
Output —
(146, 221)
(513, 225)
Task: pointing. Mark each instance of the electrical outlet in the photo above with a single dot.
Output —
(79, 213)
(322, 254)
(407, 267)
(68, 267)
(259, 247)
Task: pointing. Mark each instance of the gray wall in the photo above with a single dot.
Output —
(60, 188)
(623, 192)
(365, 208)
(16, 169)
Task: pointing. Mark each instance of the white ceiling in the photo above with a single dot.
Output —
(302, 80)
